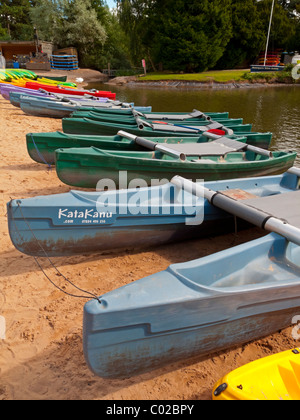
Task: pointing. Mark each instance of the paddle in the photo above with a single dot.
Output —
(237, 208)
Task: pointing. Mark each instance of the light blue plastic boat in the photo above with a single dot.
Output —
(194, 308)
(41, 108)
(77, 222)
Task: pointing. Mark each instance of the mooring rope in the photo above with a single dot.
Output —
(90, 294)
(39, 153)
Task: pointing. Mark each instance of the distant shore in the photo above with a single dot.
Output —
(95, 76)
(130, 82)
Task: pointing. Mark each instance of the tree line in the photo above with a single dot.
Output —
(173, 35)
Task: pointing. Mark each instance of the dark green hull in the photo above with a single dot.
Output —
(130, 119)
(57, 78)
(41, 146)
(88, 126)
(87, 166)
(128, 112)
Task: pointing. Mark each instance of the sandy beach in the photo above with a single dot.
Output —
(41, 355)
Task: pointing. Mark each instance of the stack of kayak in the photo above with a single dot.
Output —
(19, 77)
(32, 82)
(159, 178)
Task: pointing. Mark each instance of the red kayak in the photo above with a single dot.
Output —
(58, 89)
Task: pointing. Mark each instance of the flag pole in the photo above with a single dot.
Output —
(269, 31)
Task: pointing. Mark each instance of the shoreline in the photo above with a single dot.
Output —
(41, 356)
(95, 76)
(128, 81)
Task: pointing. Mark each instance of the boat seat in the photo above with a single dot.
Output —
(182, 128)
(283, 206)
(219, 147)
(183, 117)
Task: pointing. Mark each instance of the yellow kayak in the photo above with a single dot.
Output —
(275, 377)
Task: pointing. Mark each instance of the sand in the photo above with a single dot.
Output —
(41, 356)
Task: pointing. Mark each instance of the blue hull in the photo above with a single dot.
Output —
(194, 308)
(15, 98)
(41, 108)
(72, 223)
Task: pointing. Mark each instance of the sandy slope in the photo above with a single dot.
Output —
(41, 356)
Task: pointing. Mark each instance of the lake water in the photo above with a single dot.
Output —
(274, 109)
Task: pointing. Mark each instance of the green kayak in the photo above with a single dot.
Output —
(41, 146)
(85, 167)
(131, 119)
(146, 129)
(129, 111)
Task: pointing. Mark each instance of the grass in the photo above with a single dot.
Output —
(226, 76)
(219, 76)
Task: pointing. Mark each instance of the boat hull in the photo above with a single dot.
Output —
(87, 167)
(278, 379)
(193, 309)
(95, 127)
(41, 146)
(52, 224)
(57, 89)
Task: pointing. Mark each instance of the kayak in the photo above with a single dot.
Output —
(194, 309)
(219, 159)
(141, 127)
(57, 89)
(275, 377)
(41, 146)
(131, 121)
(79, 222)
(176, 115)
(194, 118)
(15, 98)
(42, 107)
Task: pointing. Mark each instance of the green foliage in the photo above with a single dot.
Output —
(187, 39)
(14, 20)
(68, 23)
(178, 35)
(248, 35)
(283, 76)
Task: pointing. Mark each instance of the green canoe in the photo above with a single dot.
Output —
(41, 146)
(164, 115)
(131, 118)
(140, 127)
(85, 167)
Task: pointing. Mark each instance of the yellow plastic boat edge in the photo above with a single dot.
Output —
(275, 377)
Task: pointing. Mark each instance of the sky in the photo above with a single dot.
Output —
(111, 3)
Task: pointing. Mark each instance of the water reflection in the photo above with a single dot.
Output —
(274, 109)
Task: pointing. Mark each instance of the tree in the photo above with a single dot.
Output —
(179, 35)
(115, 50)
(68, 23)
(248, 35)
(14, 20)
(283, 26)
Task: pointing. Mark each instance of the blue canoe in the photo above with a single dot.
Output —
(77, 222)
(15, 97)
(41, 108)
(194, 308)
(206, 305)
